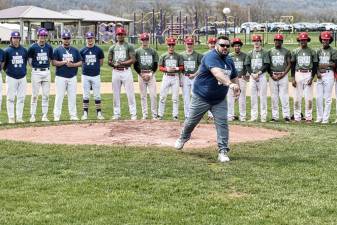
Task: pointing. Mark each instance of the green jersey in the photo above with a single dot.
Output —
(120, 53)
(146, 58)
(191, 62)
(279, 58)
(326, 56)
(239, 60)
(304, 58)
(256, 60)
(168, 60)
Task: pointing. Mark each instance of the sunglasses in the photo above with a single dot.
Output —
(224, 45)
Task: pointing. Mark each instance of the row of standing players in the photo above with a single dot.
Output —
(179, 71)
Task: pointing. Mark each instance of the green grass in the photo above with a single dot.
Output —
(291, 180)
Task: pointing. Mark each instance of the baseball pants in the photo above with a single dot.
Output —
(303, 89)
(95, 83)
(187, 88)
(242, 101)
(169, 82)
(40, 79)
(151, 86)
(259, 89)
(62, 86)
(198, 108)
(15, 88)
(119, 78)
(279, 90)
(324, 96)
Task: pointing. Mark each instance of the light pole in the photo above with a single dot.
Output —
(226, 11)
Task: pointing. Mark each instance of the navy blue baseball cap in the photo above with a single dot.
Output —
(89, 35)
(66, 34)
(15, 34)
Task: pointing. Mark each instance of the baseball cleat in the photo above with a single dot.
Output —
(223, 157)
(252, 120)
(85, 116)
(100, 116)
(74, 118)
(180, 143)
(287, 119)
(175, 118)
(44, 118)
(20, 120)
(325, 121)
(32, 119)
(11, 120)
(115, 118)
(56, 118)
(134, 117)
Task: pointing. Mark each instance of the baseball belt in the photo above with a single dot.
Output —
(303, 71)
(40, 69)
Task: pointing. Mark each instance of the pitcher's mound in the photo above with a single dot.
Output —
(133, 133)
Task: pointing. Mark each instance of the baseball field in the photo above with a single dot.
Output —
(289, 180)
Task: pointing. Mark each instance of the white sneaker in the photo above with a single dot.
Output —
(134, 117)
(32, 119)
(230, 119)
(144, 118)
(325, 121)
(252, 120)
(318, 121)
(11, 120)
(263, 120)
(44, 118)
(180, 143)
(100, 116)
(85, 116)
(74, 118)
(243, 119)
(223, 157)
(56, 118)
(20, 120)
(115, 118)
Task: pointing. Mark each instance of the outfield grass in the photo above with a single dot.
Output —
(291, 180)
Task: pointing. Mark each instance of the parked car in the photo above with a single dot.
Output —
(329, 26)
(222, 31)
(211, 30)
(279, 26)
(252, 26)
(298, 27)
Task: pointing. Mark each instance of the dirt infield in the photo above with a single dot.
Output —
(132, 133)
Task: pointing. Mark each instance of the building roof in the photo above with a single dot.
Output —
(31, 13)
(92, 16)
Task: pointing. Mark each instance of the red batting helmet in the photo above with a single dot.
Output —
(120, 30)
(278, 37)
(144, 37)
(189, 40)
(211, 40)
(303, 36)
(236, 41)
(171, 41)
(326, 35)
(256, 37)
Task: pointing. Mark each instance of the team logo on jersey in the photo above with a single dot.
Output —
(324, 58)
(256, 63)
(238, 65)
(304, 60)
(68, 57)
(277, 60)
(120, 54)
(189, 65)
(90, 59)
(42, 57)
(17, 60)
(171, 62)
(146, 60)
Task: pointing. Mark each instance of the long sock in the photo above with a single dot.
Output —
(98, 106)
(85, 105)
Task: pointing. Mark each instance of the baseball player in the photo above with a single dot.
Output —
(121, 57)
(15, 66)
(39, 56)
(279, 67)
(211, 45)
(171, 64)
(239, 58)
(257, 64)
(327, 57)
(304, 63)
(192, 60)
(67, 59)
(146, 66)
(92, 60)
(2, 61)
